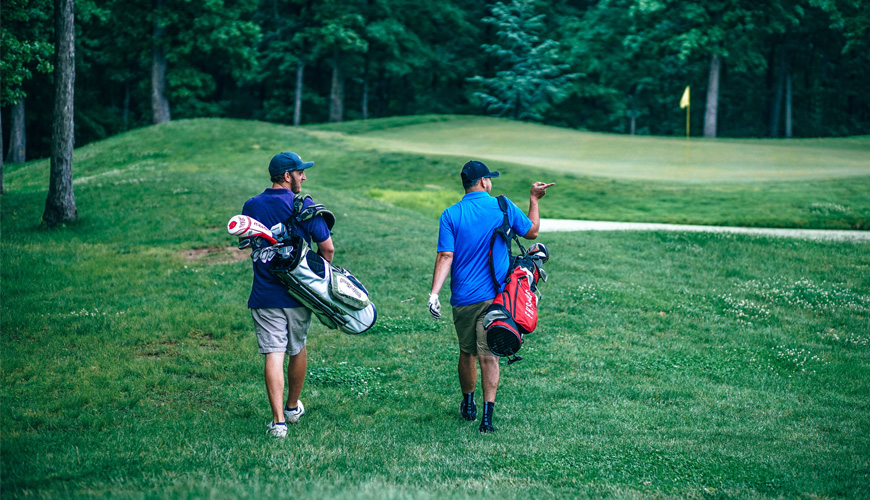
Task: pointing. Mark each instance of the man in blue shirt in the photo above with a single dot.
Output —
(463, 253)
(280, 321)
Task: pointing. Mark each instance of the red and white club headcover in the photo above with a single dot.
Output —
(246, 227)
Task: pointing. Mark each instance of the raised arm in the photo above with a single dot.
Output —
(538, 191)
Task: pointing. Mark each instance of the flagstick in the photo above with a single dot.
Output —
(688, 108)
(685, 102)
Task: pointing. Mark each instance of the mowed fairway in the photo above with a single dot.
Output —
(627, 157)
(667, 365)
(811, 184)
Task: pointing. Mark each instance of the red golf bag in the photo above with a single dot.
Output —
(514, 312)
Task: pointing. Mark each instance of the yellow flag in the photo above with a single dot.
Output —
(684, 102)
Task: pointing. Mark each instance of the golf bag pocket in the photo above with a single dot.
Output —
(345, 288)
(519, 298)
(309, 278)
(316, 264)
(502, 335)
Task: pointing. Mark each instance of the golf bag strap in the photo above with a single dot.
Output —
(301, 215)
(507, 234)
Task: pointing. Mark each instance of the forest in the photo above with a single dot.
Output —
(779, 68)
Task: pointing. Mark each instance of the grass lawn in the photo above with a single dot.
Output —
(616, 155)
(675, 365)
(813, 183)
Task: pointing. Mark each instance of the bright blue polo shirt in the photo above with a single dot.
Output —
(271, 207)
(466, 229)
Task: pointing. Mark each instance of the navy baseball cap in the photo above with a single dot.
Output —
(287, 162)
(475, 170)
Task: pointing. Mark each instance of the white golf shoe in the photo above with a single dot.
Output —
(278, 431)
(293, 417)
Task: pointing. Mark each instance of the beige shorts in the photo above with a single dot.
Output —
(281, 329)
(468, 321)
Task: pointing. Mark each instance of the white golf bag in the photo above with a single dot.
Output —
(332, 293)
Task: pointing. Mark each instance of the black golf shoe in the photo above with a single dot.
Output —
(486, 421)
(486, 426)
(468, 412)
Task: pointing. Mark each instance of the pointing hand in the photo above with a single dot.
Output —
(539, 189)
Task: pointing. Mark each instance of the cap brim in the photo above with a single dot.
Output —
(492, 174)
(307, 164)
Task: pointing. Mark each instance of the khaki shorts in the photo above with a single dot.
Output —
(468, 321)
(281, 329)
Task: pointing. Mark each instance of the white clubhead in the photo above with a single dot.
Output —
(246, 227)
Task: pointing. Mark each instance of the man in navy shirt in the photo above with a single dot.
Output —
(280, 321)
(463, 253)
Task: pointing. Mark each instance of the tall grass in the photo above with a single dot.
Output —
(666, 364)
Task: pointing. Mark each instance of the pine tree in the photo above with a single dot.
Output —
(531, 80)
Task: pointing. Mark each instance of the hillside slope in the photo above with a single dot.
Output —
(352, 156)
(664, 365)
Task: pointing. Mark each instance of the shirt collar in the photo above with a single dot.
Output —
(475, 194)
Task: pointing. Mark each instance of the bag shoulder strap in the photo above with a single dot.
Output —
(301, 215)
(507, 234)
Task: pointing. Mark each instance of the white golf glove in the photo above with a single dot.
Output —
(434, 306)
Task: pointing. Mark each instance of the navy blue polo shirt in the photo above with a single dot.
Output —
(271, 207)
(466, 229)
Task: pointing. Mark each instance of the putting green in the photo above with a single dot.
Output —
(633, 157)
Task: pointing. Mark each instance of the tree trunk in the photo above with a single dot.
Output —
(788, 131)
(712, 97)
(17, 135)
(776, 109)
(1, 153)
(336, 94)
(365, 77)
(297, 105)
(159, 102)
(60, 205)
(126, 113)
(365, 90)
(365, 98)
(382, 90)
(633, 112)
(819, 86)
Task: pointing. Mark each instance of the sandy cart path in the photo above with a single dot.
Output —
(553, 225)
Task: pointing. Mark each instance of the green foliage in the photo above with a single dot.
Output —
(340, 33)
(611, 65)
(204, 41)
(532, 80)
(25, 46)
(370, 41)
(667, 365)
